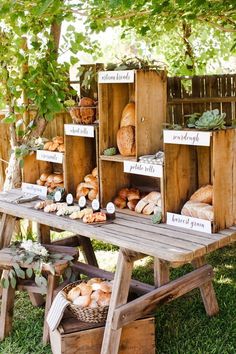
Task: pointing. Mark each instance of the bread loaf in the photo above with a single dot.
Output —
(120, 202)
(44, 177)
(126, 140)
(203, 194)
(47, 145)
(85, 289)
(133, 194)
(123, 193)
(148, 209)
(58, 140)
(90, 178)
(198, 210)
(82, 192)
(92, 194)
(128, 115)
(132, 204)
(73, 293)
(95, 172)
(61, 148)
(39, 182)
(53, 147)
(86, 102)
(82, 301)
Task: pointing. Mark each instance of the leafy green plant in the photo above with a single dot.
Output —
(209, 120)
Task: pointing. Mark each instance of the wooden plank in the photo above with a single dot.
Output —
(161, 272)
(224, 195)
(8, 297)
(6, 230)
(87, 250)
(111, 338)
(180, 101)
(207, 291)
(166, 293)
(203, 165)
(150, 99)
(117, 158)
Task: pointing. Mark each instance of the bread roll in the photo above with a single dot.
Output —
(73, 293)
(120, 202)
(104, 299)
(47, 145)
(82, 192)
(90, 178)
(106, 287)
(128, 115)
(123, 193)
(82, 301)
(58, 140)
(89, 218)
(203, 194)
(99, 216)
(50, 178)
(39, 182)
(97, 294)
(148, 209)
(44, 177)
(126, 141)
(86, 102)
(61, 148)
(95, 172)
(58, 178)
(94, 280)
(85, 289)
(92, 194)
(133, 194)
(198, 210)
(132, 204)
(93, 304)
(53, 147)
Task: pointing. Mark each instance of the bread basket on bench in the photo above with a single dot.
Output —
(91, 313)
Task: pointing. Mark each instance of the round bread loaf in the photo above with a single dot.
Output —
(86, 102)
(44, 176)
(81, 192)
(133, 194)
(39, 182)
(94, 280)
(47, 145)
(85, 289)
(128, 115)
(61, 148)
(92, 194)
(58, 178)
(126, 140)
(203, 194)
(82, 301)
(90, 178)
(75, 114)
(120, 202)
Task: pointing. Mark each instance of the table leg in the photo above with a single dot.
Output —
(111, 339)
(161, 272)
(207, 291)
(6, 230)
(43, 232)
(88, 251)
(8, 297)
(52, 284)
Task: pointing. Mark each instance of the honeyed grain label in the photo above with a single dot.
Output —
(188, 222)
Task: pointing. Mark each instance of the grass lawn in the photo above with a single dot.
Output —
(182, 326)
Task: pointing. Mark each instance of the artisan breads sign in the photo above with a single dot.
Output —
(119, 76)
(34, 189)
(79, 130)
(144, 169)
(187, 137)
(50, 156)
(189, 222)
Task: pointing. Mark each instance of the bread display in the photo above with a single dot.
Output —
(85, 113)
(94, 217)
(198, 210)
(56, 144)
(51, 181)
(120, 202)
(42, 204)
(126, 140)
(96, 292)
(203, 194)
(128, 115)
(89, 188)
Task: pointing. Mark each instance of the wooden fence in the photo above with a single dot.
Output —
(184, 96)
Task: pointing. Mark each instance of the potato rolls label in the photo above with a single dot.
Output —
(145, 169)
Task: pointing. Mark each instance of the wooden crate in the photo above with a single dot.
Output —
(74, 337)
(149, 94)
(80, 159)
(189, 167)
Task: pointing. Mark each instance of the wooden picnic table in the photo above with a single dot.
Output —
(136, 238)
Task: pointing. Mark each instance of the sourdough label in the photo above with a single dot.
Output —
(119, 76)
(34, 189)
(50, 156)
(145, 169)
(79, 130)
(189, 223)
(187, 137)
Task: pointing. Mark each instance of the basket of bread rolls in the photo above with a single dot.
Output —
(89, 300)
(85, 112)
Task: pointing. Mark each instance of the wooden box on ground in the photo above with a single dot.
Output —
(148, 91)
(74, 337)
(189, 167)
(80, 154)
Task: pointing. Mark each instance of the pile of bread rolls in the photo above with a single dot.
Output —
(57, 144)
(200, 204)
(94, 293)
(137, 201)
(51, 180)
(89, 188)
(126, 133)
(85, 113)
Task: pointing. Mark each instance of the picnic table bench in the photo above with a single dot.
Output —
(136, 238)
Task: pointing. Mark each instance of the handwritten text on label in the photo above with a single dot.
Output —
(51, 156)
(189, 223)
(79, 130)
(120, 76)
(189, 137)
(145, 169)
(34, 189)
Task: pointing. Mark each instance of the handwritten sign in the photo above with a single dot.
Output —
(34, 189)
(50, 156)
(187, 137)
(145, 169)
(188, 222)
(110, 77)
(79, 130)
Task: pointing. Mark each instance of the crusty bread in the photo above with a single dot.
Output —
(61, 148)
(94, 280)
(82, 301)
(120, 202)
(82, 192)
(58, 178)
(198, 210)
(44, 176)
(132, 204)
(203, 194)
(39, 182)
(152, 197)
(141, 205)
(123, 193)
(47, 145)
(92, 194)
(73, 293)
(148, 209)
(58, 139)
(90, 179)
(86, 102)
(128, 115)
(53, 147)
(126, 140)
(133, 194)
(85, 289)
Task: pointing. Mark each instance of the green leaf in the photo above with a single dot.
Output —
(40, 11)
(9, 119)
(13, 282)
(29, 272)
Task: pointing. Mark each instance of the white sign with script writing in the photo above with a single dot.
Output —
(189, 223)
(34, 189)
(187, 137)
(145, 169)
(112, 77)
(79, 130)
(50, 156)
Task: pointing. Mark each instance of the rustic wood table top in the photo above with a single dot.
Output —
(132, 232)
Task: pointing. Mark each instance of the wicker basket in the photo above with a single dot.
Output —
(86, 314)
(83, 115)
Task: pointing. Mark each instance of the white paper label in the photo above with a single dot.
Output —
(145, 169)
(187, 137)
(79, 130)
(69, 199)
(110, 208)
(34, 189)
(82, 201)
(95, 205)
(189, 223)
(119, 76)
(50, 156)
